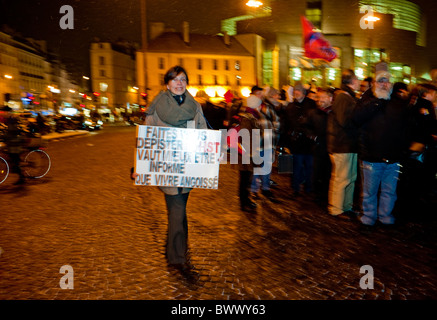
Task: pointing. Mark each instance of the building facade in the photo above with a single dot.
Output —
(214, 63)
(360, 43)
(113, 75)
(30, 78)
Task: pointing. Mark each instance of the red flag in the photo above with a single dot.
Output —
(228, 96)
(316, 47)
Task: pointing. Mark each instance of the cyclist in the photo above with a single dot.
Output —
(14, 142)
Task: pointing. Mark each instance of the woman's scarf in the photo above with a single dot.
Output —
(170, 112)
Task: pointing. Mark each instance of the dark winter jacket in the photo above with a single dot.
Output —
(317, 122)
(249, 121)
(294, 126)
(342, 132)
(423, 123)
(382, 128)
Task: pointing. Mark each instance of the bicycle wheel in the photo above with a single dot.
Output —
(4, 170)
(36, 164)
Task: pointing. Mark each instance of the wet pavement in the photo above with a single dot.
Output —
(86, 214)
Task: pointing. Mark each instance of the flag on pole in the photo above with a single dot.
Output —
(315, 46)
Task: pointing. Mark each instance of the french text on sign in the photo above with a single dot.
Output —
(177, 157)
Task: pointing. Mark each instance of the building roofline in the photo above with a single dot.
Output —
(198, 44)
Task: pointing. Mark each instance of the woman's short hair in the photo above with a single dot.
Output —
(173, 73)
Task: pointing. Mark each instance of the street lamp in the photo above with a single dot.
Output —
(254, 3)
(371, 19)
(144, 38)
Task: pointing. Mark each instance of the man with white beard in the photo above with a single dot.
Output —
(382, 121)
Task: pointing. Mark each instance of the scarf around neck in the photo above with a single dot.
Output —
(170, 112)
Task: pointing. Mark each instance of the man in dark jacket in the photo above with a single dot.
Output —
(317, 121)
(294, 135)
(383, 121)
(342, 145)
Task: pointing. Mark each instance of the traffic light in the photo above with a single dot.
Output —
(144, 96)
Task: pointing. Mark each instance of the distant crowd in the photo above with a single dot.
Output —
(357, 150)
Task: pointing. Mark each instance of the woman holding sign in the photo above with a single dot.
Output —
(176, 107)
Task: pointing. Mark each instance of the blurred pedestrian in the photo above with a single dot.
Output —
(249, 119)
(268, 123)
(15, 141)
(175, 107)
(365, 85)
(294, 136)
(317, 122)
(423, 147)
(342, 143)
(382, 119)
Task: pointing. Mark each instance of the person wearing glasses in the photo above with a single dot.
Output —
(176, 107)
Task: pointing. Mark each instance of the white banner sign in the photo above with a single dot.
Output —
(177, 157)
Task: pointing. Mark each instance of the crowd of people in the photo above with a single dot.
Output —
(347, 144)
(357, 150)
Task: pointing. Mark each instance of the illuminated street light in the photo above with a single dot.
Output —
(254, 3)
(7, 76)
(372, 18)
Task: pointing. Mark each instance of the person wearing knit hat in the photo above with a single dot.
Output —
(383, 86)
(294, 137)
(382, 76)
(382, 119)
(254, 102)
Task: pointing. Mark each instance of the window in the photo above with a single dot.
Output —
(161, 77)
(199, 79)
(102, 73)
(314, 13)
(214, 64)
(215, 80)
(181, 62)
(268, 67)
(161, 64)
(101, 60)
(237, 65)
(103, 86)
(226, 65)
(199, 64)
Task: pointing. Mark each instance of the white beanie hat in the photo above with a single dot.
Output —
(253, 102)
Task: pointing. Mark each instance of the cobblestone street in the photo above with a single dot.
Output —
(87, 214)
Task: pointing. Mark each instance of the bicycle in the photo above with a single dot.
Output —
(35, 163)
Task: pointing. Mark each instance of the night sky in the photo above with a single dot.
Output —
(114, 19)
(107, 20)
